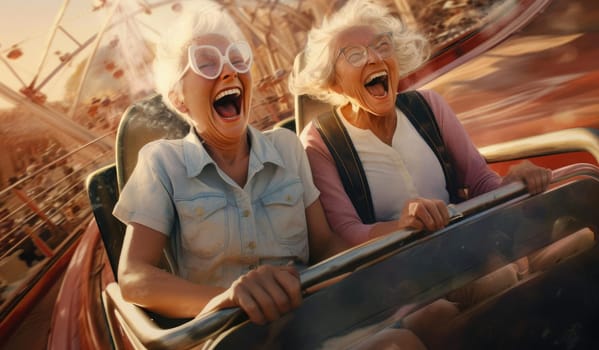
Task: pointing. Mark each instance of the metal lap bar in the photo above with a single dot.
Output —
(388, 274)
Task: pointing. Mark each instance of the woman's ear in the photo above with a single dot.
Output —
(177, 101)
(334, 85)
(336, 88)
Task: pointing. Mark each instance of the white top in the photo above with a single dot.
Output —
(389, 169)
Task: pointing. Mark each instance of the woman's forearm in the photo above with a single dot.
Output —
(162, 292)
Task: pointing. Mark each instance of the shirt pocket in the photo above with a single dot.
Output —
(284, 208)
(204, 226)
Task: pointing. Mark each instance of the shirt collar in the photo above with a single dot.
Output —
(195, 155)
(196, 158)
(262, 148)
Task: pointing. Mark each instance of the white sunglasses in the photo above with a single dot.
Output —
(207, 61)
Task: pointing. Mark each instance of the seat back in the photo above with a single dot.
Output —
(141, 123)
(102, 190)
(145, 121)
(306, 107)
(103, 193)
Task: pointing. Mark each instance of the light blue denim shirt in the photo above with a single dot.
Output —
(219, 230)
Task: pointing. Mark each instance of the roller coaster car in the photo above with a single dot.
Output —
(555, 304)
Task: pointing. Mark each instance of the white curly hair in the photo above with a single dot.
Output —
(314, 67)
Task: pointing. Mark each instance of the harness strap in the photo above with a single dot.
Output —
(348, 163)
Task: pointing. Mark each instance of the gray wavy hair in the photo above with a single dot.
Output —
(314, 79)
(200, 17)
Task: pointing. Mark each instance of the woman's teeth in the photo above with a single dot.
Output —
(374, 76)
(234, 91)
(228, 103)
(377, 84)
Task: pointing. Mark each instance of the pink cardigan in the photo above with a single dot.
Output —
(471, 168)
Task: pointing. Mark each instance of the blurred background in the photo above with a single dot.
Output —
(69, 69)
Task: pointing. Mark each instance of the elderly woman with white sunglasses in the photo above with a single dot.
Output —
(236, 205)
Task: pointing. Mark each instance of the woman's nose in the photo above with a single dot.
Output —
(228, 71)
(372, 55)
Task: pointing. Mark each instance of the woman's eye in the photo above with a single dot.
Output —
(236, 60)
(383, 46)
(354, 55)
(206, 64)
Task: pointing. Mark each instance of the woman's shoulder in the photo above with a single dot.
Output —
(431, 96)
(282, 139)
(160, 149)
(441, 109)
(310, 137)
(277, 133)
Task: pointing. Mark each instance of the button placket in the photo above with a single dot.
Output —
(247, 231)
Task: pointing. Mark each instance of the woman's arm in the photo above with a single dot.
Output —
(145, 205)
(264, 294)
(146, 285)
(323, 242)
(472, 169)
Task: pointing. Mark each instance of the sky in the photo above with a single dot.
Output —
(29, 18)
(28, 22)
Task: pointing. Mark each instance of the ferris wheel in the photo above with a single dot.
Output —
(99, 64)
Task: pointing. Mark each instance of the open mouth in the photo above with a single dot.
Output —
(377, 84)
(228, 103)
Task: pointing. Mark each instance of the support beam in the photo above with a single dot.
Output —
(56, 119)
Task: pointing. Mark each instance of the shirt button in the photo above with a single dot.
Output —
(200, 211)
(245, 213)
(288, 198)
(252, 245)
(252, 267)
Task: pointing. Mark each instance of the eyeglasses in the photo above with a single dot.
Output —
(357, 55)
(208, 62)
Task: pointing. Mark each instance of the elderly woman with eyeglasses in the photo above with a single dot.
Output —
(413, 155)
(236, 205)
(354, 61)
